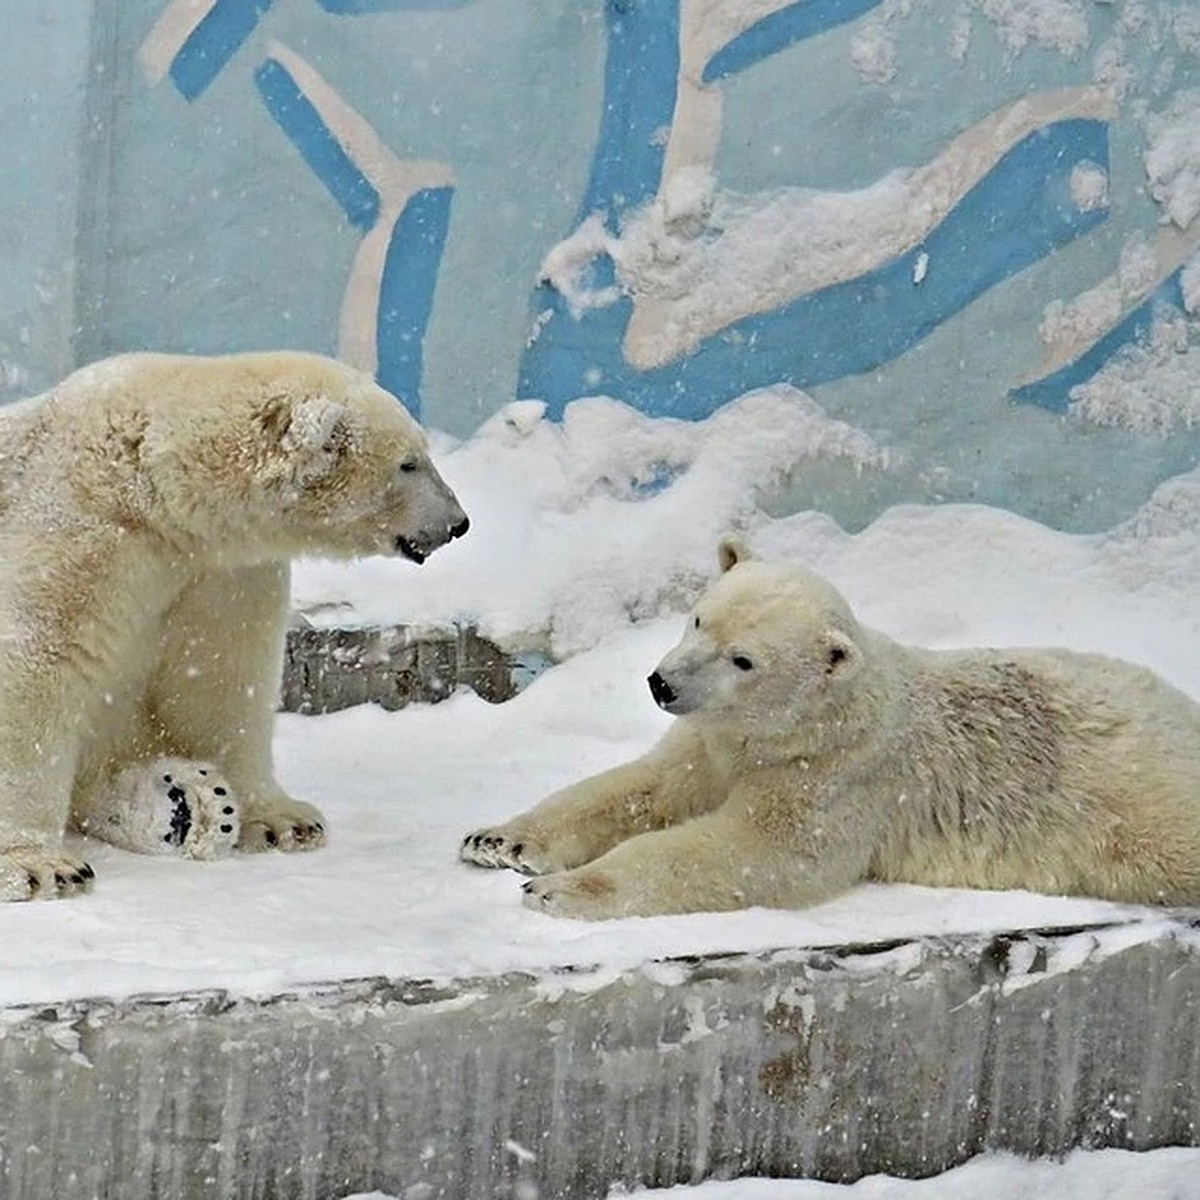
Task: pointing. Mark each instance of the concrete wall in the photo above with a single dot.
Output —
(876, 200)
(830, 1064)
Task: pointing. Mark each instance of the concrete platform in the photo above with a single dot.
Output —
(833, 1063)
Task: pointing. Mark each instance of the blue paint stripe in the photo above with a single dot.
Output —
(213, 42)
(770, 35)
(1018, 213)
(299, 119)
(640, 78)
(406, 292)
(1053, 391)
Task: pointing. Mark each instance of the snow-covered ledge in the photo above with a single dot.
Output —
(904, 1057)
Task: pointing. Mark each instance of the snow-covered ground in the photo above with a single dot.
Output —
(1169, 1174)
(591, 538)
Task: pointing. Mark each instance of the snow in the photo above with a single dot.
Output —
(1090, 314)
(1166, 1174)
(1148, 389)
(1111, 67)
(1172, 157)
(1189, 284)
(566, 552)
(873, 53)
(592, 538)
(1051, 24)
(1185, 25)
(1089, 186)
(1084, 318)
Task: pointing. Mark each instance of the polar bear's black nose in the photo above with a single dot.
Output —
(661, 690)
(456, 531)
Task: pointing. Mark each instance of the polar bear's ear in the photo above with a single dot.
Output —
(731, 550)
(316, 438)
(840, 653)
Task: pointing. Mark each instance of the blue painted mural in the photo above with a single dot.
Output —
(670, 202)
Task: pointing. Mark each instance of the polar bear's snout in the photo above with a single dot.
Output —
(418, 549)
(434, 509)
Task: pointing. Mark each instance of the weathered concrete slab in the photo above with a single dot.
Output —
(330, 669)
(831, 1063)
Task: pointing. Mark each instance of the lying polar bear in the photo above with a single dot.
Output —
(811, 753)
(149, 507)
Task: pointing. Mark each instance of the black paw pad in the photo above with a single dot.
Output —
(181, 817)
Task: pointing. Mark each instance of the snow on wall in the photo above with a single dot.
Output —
(918, 212)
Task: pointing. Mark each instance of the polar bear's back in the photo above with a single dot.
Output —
(1051, 770)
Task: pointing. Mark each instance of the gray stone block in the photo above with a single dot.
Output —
(330, 669)
(830, 1063)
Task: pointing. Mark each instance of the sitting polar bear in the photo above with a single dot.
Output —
(811, 753)
(149, 507)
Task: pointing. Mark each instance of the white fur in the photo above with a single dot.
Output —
(811, 752)
(149, 509)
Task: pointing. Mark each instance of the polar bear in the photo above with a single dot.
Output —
(811, 752)
(149, 509)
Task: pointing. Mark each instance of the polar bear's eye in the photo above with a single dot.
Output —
(408, 466)
(742, 662)
(695, 622)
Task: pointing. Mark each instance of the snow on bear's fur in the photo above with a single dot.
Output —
(149, 508)
(810, 753)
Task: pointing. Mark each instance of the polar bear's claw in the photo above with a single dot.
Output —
(39, 875)
(293, 825)
(492, 848)
(585, 894)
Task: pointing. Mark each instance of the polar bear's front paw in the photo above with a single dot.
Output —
(284, 824)
(31, 874)
(588, 894)
(166, 806)
(505, 847)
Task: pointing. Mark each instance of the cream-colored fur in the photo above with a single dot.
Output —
(811, 753)
(149, 508)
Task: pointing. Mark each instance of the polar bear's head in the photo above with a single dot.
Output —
(282, 454)
(768, 646)
(351, 472)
